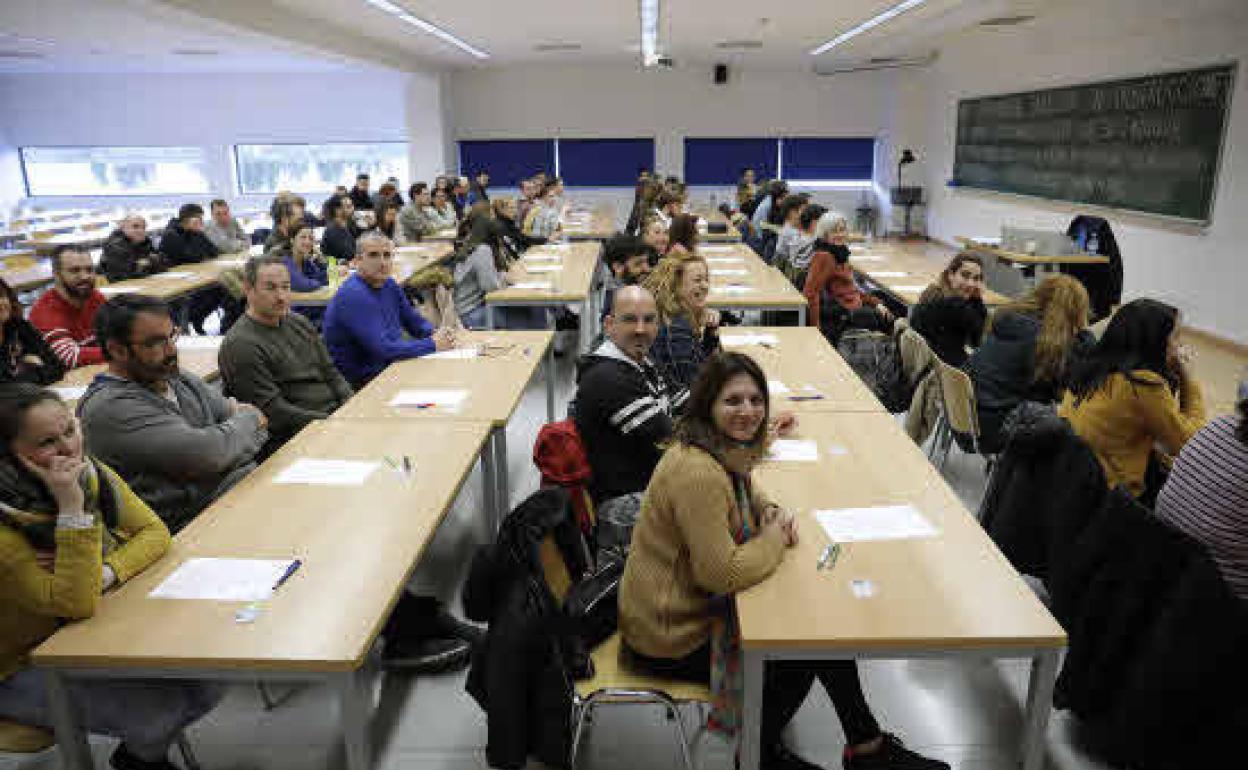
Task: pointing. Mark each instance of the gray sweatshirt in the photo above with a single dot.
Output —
(230, 239)
(475, 277)
(178, 458)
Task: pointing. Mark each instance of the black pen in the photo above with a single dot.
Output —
(407, 465)
(290, 570)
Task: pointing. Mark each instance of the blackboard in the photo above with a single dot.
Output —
(1149, 144)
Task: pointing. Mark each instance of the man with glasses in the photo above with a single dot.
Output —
(66, 314)
(177, 442)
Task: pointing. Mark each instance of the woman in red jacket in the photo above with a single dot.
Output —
(836, 302)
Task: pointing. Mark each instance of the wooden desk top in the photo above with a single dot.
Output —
(731, 235)
(1032, 259)
(407, 260)
(880, 259)
(952, 592)
(579, 261)
(358, 545)
(767, 286)
(600, 224)
(802, 357)
(495, 381)
(29, 276)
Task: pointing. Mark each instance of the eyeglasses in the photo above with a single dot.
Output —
(153, 344)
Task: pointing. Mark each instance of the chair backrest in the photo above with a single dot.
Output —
(22, 739)
(958, 396)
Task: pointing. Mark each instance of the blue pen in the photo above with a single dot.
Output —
(290, 570)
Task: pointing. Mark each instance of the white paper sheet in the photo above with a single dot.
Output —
(543, 268)
(716, 249)
(233, 262)
(258, 249)
(533, 286)
(740, 340)
(868, 258)
(470, 352)
(223, 580)
(330, 473)
(888, 274)
(175, 274)
(889, 522)
(725, 261)
(776, 387)
(731, 289)
(543, 258)
(199, 343)
(113, 291)
(784, 450)
(70, 393)
(729, 271)
(916, 287)
(441, 399)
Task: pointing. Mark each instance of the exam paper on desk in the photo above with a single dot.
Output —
(223, 580)
(447, 399)
(339, 473)
(888, 522)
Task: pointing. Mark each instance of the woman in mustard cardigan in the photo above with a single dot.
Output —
(71, 529)
(705, 532)
(1134, 392)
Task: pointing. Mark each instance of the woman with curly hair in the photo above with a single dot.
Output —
(688, 330)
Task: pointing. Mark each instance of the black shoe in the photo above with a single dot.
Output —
(892, 755)
(448, 626)
(778, 757)
(426, 656)
(124, 759)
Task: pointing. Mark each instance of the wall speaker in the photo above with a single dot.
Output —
(721, 74)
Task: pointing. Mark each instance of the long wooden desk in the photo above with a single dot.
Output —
(816, 377)
(710, 215)
(358, 545)
(27, 274)
(904, 275)
(951, 595)
(407, 260)
(742, 281)
(493, 383)
(566, 273)
(581, 224)
(1044, 264)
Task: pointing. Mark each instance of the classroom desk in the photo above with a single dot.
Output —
(800, 358)
(494, 380)
(407, 260)
(709, 215)
(1043, 264)
(760, 287)
(581, 224)
(558, 275)
(441, 236)
(175, 282)
(85, 240)
(904, 275)
(358, 545)
(953, 595)
(27, 274)
(196, 355)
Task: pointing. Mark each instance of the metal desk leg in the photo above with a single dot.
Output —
(502, 495)
(489, 316)
(801, 316)
(1039, 704)
(550, 382)
(489, 486)
(355, 707)
(587, 322)
(71, 741)
(750, 746)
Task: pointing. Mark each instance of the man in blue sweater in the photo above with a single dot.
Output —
(370, 323)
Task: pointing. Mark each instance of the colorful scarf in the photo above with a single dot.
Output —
(727, 679)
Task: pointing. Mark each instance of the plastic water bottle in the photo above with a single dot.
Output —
(1094, 243)
(331, 264)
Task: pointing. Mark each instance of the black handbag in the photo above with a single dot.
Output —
(591, 606)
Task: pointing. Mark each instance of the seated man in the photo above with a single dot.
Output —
(177, 442)
(184, 242)
(359, 194)
(273, 358)
(224, 231)
(129, 251)
(628, 258)
(623, 411)
(370, 323)
(66, 313)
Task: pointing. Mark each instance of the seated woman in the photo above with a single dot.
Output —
(387, 213)
(654, 233)
(1027, 352)
(1206, 495)
(441, 214)
(308, 270)
(1134, 391)
(475, 268)
(70, 530)
(545, 218)
(682, 235)
(707, 532)
(950, 313)
(835, 301)
(515, 242)
(688, 329)
(24, 354)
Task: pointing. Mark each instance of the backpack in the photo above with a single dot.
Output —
(876, 358)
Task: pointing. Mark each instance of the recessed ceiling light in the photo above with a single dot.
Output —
(869, 24)
(425, 26)
(739, 45)
(1006, 21)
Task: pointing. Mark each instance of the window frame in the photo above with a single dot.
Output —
(202, 150)
(238, 176)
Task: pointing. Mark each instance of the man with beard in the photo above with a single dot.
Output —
(177, 442)
(66, 314)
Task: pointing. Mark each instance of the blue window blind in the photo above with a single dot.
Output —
(507, 160)
(829, 159)
(604, 162)
(720, 161)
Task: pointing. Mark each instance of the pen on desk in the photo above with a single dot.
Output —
(407, 465)
(815, 397)
(290, 570)
(827, 560)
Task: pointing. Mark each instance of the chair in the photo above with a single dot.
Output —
(614, 682)
(23, 739)
(958, 413)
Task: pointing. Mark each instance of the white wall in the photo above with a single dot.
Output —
(621, 101)
(1201, 271)
(216, 111)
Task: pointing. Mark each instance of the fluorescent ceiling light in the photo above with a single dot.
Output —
(446, 37)
(649, 32)
(872, 23)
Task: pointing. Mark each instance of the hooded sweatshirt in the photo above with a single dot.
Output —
(181, 246)
(178, 453)
(120, 259)
(623, 412)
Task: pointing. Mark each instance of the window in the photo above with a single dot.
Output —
(507, 160)
(604, 162)
(102, 171)
(720, 161)
(264, 169)
(828, 160)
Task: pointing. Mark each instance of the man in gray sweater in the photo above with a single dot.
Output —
(275, 359)
(178, 443)
(224, 230)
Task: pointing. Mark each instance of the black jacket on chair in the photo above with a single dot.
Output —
(1103, 282)
(522, 673)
